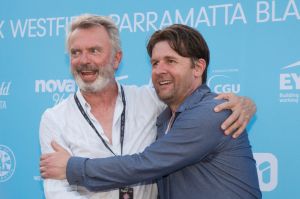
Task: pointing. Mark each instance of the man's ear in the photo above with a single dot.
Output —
(199, 67)
(117, 59)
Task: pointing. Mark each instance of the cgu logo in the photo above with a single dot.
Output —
(51, 86)
(290, 81)
(223, 87)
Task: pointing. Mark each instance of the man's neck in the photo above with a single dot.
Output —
(175, 105)
(103, 106)
(105, 97)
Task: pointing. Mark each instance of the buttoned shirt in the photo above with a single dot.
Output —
(193, 160)
(65, 124)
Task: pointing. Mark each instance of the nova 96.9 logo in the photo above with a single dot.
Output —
(57, 88)
(60, 89)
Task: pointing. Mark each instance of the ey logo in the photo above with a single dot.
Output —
(290, 79)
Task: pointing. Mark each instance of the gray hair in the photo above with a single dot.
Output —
(88, 21)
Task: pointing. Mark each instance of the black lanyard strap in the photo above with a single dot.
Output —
(122, 128)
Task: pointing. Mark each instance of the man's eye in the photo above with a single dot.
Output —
(94, 51)
(154, 63)
(75, 53)
(171, 61)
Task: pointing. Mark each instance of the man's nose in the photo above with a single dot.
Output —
(159, 68)
(84, 58)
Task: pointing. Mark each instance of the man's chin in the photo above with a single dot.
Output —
(165, 98)
(88, 79)
(94, 87)
(91, 89)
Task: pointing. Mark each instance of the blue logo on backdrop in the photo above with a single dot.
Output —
(7, 163)
(267, 170)
(224, 81)
(289, 83)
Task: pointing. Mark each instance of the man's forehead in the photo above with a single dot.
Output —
(162, 45)
(164, 52)
(90, 37)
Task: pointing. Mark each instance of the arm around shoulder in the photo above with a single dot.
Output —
(50, 130)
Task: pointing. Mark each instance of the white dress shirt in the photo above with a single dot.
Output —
(65, 124)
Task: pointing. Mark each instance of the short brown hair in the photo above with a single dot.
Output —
(186, 41)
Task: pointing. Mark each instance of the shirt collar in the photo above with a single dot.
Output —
(86, 105)
(82, 101)
(194, 98)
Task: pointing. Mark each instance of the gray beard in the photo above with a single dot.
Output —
(96, 86)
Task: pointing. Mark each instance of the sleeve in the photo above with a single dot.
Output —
(192, 137)
(50, 130)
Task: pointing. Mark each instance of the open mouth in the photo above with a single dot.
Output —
(84, 73)
(164, 82)
(88, 75)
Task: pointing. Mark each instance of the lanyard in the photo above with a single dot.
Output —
(122, 128)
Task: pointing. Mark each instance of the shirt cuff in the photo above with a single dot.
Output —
(75, 170)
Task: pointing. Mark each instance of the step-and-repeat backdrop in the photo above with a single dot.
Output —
(255, 47)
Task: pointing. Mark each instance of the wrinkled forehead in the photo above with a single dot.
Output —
(90, 36)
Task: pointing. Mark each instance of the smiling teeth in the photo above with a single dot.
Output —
(164, 82)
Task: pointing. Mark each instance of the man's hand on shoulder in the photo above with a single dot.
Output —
(242, 109)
